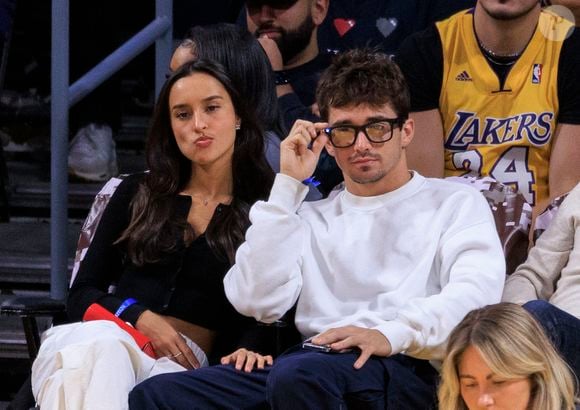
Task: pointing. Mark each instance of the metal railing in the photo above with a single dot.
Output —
(63, 97)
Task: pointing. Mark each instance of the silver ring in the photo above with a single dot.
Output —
(173, 356)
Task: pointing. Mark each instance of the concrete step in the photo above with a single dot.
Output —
(25, 253)
(29, 184)
(12, 341)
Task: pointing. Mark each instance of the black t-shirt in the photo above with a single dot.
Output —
(381, 23)
(303, 80)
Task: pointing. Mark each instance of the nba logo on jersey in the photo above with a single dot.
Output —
(537, 74)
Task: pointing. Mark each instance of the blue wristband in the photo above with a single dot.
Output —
(126, 303)
(311, 181)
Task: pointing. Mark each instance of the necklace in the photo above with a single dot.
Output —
(498, 59)
(493, 54)
(505, 61)
(206, 200)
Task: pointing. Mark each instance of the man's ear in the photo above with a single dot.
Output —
(319, 10)
(407, 132)
(329, 148)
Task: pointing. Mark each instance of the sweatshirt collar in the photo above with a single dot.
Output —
(373, 202)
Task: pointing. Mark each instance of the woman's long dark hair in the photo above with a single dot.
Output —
(152, 231)
(244, 58)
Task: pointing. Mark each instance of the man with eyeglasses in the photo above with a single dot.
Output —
(380, 272)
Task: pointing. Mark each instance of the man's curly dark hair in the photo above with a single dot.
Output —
(363, 77)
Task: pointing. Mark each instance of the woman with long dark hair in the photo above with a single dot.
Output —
(165, 241)
(244, 58)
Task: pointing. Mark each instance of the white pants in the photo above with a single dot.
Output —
(94, 365)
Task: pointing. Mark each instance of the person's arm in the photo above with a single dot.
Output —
(564, 166)
(536, 278)
(103, 262)
(289, 103)
(272, 149)
(564, 171)
(293, 109)
(471, 271)
(420, 58)
(425, 153)
(266, 279)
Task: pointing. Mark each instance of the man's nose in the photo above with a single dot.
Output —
(266, 13)
(362, 143)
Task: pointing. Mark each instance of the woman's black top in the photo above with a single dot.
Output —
(186, 284)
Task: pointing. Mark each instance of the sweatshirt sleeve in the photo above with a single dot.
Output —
(103, 262)
(266, 279)
(536, 278)
(471, 275)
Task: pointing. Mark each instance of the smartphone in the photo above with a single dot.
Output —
(323, 348)
(319, 348)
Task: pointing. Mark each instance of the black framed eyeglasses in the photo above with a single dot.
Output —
(343, 136)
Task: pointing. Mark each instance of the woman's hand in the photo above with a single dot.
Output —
(250, 359)
(166, 341)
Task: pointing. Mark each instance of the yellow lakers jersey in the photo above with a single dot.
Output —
(504, 133)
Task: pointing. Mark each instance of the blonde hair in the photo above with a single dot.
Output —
(514, 346)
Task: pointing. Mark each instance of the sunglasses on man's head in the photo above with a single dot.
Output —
(276, 4)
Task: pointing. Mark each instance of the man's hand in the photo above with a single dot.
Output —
(166, 341)
(272, 52)
(296, 158)
(250, 359)
(369, 341)
(315, 109)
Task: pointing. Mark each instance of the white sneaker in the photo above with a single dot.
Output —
(92, 154)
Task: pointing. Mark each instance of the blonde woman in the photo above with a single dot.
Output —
(499, 356)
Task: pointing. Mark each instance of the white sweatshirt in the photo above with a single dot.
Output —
(410, 263)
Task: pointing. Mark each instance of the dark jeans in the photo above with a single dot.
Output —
(299, 379)
(562, 328)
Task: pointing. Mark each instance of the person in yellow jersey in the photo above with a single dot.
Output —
(495, 91)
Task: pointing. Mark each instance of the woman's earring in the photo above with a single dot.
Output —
(238, 126)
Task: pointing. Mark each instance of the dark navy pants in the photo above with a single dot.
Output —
(562, 328)
(299, 379)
